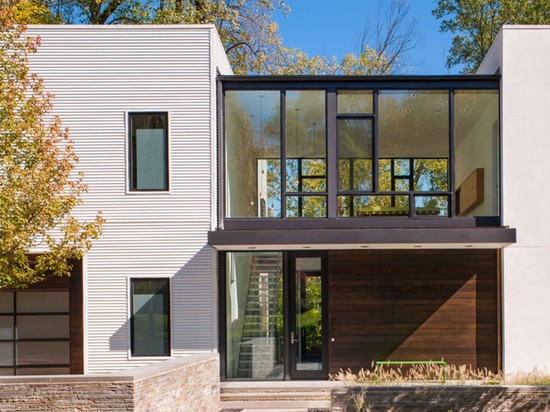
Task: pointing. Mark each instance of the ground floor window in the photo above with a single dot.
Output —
(34, 332)
(150, 322)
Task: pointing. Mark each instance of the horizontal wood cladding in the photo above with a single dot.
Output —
(413, 305)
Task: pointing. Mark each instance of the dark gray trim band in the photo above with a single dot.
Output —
(493, 237)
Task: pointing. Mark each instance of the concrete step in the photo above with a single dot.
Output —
(283, 406)
(269, 396)
(295, 396)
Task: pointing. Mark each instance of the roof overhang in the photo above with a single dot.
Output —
(395, 238)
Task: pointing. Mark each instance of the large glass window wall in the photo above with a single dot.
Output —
(254, 345)
(343, 153)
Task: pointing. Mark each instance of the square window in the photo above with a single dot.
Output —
(150, 323)
(148, 151)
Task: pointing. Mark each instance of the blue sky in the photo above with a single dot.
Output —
(332, 28)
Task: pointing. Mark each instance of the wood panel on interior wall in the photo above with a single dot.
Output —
(413, 305)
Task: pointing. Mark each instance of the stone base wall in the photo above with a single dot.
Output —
(191, 387)
(190, 383)
(441, 398)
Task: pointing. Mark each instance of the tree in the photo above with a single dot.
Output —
(249, 32)
(246, 27)
(386, 42)
(38, 189)
(382, 48)
(476, 24)
(98, 11)
(33, 12)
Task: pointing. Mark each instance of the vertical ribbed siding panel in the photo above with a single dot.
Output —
(98, 75)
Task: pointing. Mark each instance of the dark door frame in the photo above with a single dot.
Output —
(291, 372)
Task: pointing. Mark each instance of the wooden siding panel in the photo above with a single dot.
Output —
(98, 75)
(413, 305)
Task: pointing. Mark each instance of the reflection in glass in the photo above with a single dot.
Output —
(306, 175)
(355, 154)
(305, 124)
(150, 326)
(420, 175)
(254, 315)
(477, 147)
(306, 153)
(373, 205)
(431, 205)
(413, 140)
(269, 188)
(355, 101)
(252, 153)
(306, 206)
(149, 151)
(413, 124)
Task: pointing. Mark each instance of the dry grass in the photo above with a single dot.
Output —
(437, 374)
(427, 374)
(533, 378)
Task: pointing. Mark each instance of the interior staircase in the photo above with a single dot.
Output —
(260, 319)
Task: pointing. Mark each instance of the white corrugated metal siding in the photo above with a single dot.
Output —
(99, 74)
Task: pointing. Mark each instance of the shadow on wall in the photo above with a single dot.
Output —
(413, 306)
(193, 303)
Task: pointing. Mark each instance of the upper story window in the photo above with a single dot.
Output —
(342, 153)
(411, 175)
(148, 151)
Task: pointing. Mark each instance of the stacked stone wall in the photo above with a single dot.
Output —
(189, 383)
(440, 398)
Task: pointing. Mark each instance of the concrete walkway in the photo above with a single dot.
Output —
(276, 396)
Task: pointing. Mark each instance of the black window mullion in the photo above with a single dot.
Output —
(283, 122)
(300, 185)
(375, 185)
(332, 154)
(451, 162)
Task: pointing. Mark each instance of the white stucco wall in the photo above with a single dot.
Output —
(521, 54)
(98, 75)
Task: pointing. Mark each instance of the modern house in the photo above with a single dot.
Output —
(296, 225)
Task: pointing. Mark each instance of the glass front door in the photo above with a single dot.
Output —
(307, 340)
(275, 315)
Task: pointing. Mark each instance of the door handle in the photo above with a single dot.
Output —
(292, 340)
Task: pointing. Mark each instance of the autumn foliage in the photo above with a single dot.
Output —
(38, 185)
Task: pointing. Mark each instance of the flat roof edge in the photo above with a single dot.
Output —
(490, 237)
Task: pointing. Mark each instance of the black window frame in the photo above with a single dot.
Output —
(133, 166)
(166, 306)
(332, 85)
